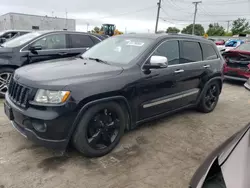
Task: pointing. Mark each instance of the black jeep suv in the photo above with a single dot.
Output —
(116, 85)
(40, 46)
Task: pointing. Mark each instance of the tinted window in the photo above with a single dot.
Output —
(57, 41)
(190, 52)
(81, 41)
(169, 49)
(95, 39)
(208, 52)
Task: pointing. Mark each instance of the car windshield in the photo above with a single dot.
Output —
(118, 50)
(21, 40)
(244, 47)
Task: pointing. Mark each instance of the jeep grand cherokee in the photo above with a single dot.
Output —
(116, 85)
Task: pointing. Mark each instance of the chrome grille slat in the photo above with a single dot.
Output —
(18, 93)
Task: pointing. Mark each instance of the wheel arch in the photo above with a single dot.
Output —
(218, 79)
(118, 98)
(9, 66)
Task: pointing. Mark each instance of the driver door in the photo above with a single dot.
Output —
(53, 47)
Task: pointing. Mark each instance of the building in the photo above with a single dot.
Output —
(11, 21)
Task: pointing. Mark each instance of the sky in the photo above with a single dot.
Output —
(133, 15)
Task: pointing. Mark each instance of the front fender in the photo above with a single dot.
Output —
(91, 103)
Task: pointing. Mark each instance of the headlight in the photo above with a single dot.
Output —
(52, 97)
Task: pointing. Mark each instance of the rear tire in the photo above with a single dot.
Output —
(209, 98)
(100, 129)
(6, 74)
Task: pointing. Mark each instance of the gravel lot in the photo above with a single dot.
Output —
(163, 153)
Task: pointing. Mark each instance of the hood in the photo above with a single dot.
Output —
(63, 72)
(228, 166)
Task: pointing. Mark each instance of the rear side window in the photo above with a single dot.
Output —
(81, 41)
(208, 52)
(170, 50)
(190, 52)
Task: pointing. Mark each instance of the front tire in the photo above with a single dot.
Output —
(100, 129)
(5, 77)
(209, 98)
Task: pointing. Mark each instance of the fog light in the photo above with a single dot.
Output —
(39, 126)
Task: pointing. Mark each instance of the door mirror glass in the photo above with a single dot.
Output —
(157, 62)
(35, 48)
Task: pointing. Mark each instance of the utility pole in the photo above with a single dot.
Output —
(195, 12)
(66, 19)
(158, 14)
(228, 24)
(87, 27)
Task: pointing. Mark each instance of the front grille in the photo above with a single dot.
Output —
(19, 94)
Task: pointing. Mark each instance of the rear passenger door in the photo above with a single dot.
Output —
(79, 43)
(194, 68)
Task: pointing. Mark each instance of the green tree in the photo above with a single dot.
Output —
(215, 30)
(198, 29)
(229, 34)
(95, 30)
(172, 30)
(240, 26)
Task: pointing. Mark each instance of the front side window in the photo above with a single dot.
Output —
(190, 52)
(56, 41)
(81, 41)
(119, 50)
(170, 50)
(21, 40)
(208, 52)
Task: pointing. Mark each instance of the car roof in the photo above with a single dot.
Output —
(164, 35)
(5, 31)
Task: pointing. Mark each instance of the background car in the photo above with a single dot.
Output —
(41, 46)
(237, 63)
(228, 165)
(10, 34)
(220, 42)
(114, 86)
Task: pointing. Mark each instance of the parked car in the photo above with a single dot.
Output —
(10, 34)
(237, 66)
(230, 45)
(227, 166)
(119, 83)
(40, 46)
(220, 42)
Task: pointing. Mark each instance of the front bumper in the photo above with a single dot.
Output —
(56, 120)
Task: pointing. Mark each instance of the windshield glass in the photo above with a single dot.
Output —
(118, 50)
(21, 40)
(244, 47)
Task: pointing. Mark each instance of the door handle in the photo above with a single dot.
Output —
(206, 66)
(62, 53)
(178, 71)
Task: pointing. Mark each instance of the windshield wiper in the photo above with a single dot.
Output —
(98, 60)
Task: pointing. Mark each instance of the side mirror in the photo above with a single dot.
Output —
(2, 40)
(35, 48)
(157, 62)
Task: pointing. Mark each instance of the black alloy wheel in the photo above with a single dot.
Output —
(100, 129)
(209, 98)
(103, 129)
